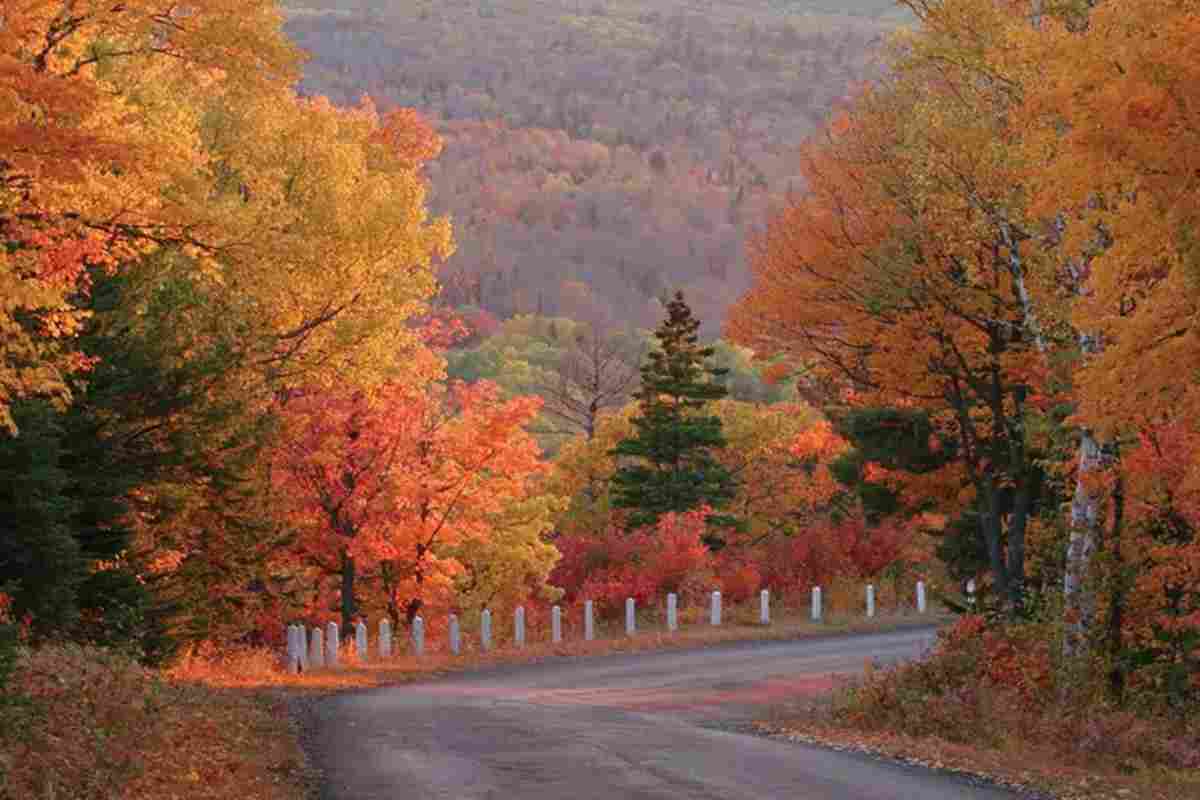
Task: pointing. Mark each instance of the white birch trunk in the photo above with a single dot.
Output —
(1079, 595)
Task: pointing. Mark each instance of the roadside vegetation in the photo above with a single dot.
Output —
(996, 700)
(998, 246)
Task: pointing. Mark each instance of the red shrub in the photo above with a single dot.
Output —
(645, 564)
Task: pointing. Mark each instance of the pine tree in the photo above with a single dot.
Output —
(675, 469)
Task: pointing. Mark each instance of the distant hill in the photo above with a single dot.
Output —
(600, 152)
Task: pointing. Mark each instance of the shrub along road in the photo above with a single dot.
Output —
(650, 726)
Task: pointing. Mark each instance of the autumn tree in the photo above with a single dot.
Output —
(597, 371)
(675, 440)
(404, 487)
(135, 129)
(899, 281)
(1112, 121)
(86, 160)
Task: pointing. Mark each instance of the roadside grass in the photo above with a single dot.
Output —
(990, 703)
(81, 723)
(263, 669)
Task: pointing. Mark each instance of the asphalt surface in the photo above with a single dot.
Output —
(647, 726)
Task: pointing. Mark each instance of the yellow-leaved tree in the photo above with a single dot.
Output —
(84, 166)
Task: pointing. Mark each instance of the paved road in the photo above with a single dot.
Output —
(650, 726)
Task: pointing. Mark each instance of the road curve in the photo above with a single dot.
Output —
(647, 726)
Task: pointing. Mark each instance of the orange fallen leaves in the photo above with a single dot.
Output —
(100, 726)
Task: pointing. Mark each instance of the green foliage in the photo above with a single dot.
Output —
(743, 376)
(962, 547)
(40, 560)
(156, 455)
(162, 413)
(674, 440)
(892, 437)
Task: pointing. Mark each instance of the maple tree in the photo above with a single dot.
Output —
(410, 489)
(904, 292)
(84, 166)
(134, 129)
(995, 238)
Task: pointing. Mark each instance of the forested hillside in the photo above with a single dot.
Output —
(627, 147)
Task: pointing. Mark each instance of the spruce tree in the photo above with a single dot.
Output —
(674, 467)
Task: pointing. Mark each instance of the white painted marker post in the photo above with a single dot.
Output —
(519, 632)
(332, 642)
(971, 593)
(455, 635)
(385, 638)
(485, 630)
(302, 643)
(764, 607)
(672, 612)
(360, 641)
(556, 624)
(920, 597)
(870, 600)
(714, 616)
(293, 656)
(418, 636)
(630, 617)
(589, 623)
(316, 649)
(816, 604)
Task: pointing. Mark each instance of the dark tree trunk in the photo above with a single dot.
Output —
(349, 606)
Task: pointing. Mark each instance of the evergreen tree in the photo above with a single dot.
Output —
(156, 454)
(41, 565)
(674, 467)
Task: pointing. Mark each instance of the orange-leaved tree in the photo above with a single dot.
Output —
(901, 279)
(394, 487)
(1115, 111)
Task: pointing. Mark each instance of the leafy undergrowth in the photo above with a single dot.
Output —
(990, 702)
(261, 668)
(88, 724)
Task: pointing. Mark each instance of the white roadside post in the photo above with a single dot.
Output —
(385, 638)
(971, 594)
(556, 624)
(672, 611)
(302, 646)
(715, 613)
(920, 597)
(455, 635)
(630, 617)
(764, 607)
(816, 604)
(485, 630)
(418, 636)
(316, 649)
(360, 642)
(589, 622)
(333, 641)
(293, 657)
(519, 632)
(870, 600)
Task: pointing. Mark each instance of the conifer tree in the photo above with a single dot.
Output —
(673, 466)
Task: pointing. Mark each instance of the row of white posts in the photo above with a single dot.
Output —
(307, 651)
